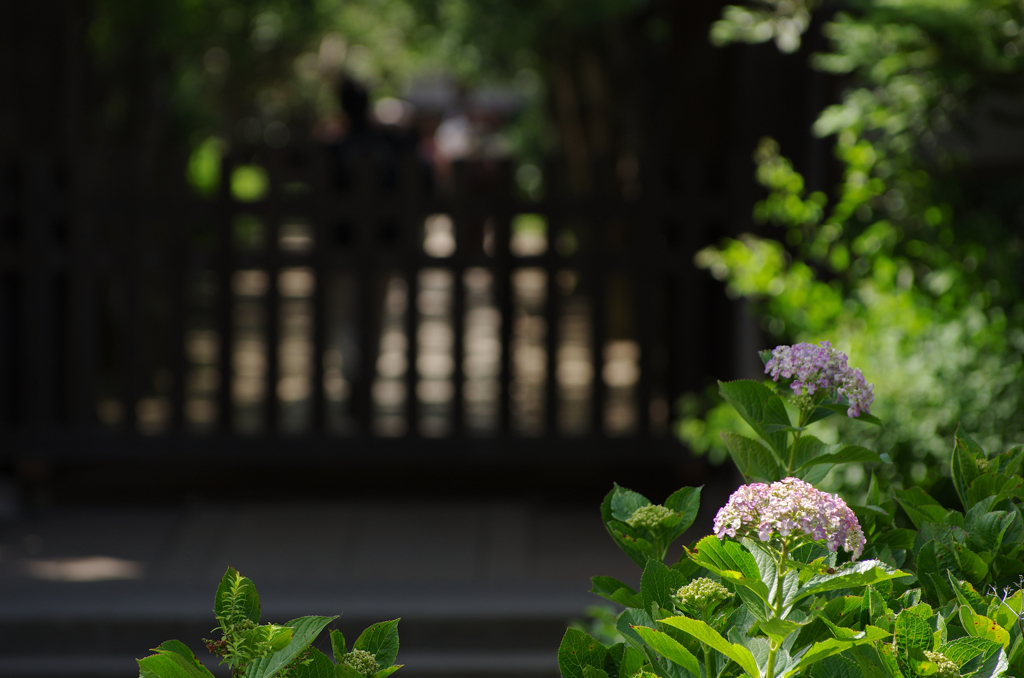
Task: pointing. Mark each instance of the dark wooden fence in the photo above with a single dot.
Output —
(432, 320)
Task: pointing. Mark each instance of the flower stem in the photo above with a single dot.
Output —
(770, 669)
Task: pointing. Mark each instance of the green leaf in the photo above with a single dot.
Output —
(920, 507)
(306, 631)
(754, 461)
(732, 563)
(994, 485)
(669, 648)
(852, 575)
(685, 501)
(897, 538)
(839, 408)
(338, 646)
(316, 665)
(759, 406)
(964, 464)
(911, 637)
(834, 646)
(614, 590)
(380, 640)
(779, 629)
(171, 665)
(591, 672)
(843, 454)
(1008, 462)
(577, 650)
(384, 673)
(236, 600)
(637, 549)
(177, 647)
(963, 650)
(967, 595)
(982, 627)
(658, 583)
(625, 502)
(836, 666)
(346, 671)
(712, 638)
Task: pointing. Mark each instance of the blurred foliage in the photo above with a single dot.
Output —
(913, 267)
(261, 72)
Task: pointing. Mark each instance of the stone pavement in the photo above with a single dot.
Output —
(483, 589)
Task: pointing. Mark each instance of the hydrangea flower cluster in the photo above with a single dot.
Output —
(702, 593)
(649, 516)
(821, 367)
(787, 506)
(946, 668)
(362, 662)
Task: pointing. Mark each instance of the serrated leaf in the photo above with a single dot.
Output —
(171, 665)
(712, 638)
(685, 501)
(836, 666)
(625, 502)
(834, 646)
(994, 485)
(236, 600)
(177, 647)
(754, 461)
(963, 650)
(920, 507)
(967, 595)
(306, 631)
(593, 672)
(853, 575)
(843, 454)
(669, 648)
(911, 637)
(614, 590)
(982, 627)
(839, 408)
(380, 640)
(732, 563)
(964, 464)
(384, 673)
(897, 538)
(658, 583)
(576, 651)
(637, 549)
(338, 646)
(316, 665)
(759, 405)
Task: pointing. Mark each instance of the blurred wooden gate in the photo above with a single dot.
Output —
(281, 315)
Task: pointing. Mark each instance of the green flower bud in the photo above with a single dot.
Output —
(649, 516)
(362, 661)
(702, 593)
(947, 669)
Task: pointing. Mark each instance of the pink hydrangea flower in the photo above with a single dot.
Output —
(790, 506)
(821, 367)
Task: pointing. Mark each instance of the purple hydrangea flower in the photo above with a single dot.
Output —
(790, 506)
(821, 367)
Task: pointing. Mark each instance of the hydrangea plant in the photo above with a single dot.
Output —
(795, 581)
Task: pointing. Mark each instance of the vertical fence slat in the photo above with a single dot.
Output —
(182, 213)
(272, 300)
(224, 268)
(82, 302)
(363, 217)
(411, 216)
(502, 277)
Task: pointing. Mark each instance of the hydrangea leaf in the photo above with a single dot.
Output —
(759, 405)
(669, 648)
(852, 575)
(576, 651)
(967, 595)
(754, 461)
(658, 583)
(315, 665)
(709, 636)
(380, 640)
(982, 627)
(911, 637)
(834, 646)
(685, 501)
(594, 672)
(920, 507)
(964, 464)
(614, 590)
(845, 454)
(306, 630)
(171, 665)
(732, 563)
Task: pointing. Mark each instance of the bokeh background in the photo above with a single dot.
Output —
(374, 300)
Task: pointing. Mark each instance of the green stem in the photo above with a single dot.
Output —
(770, 669)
